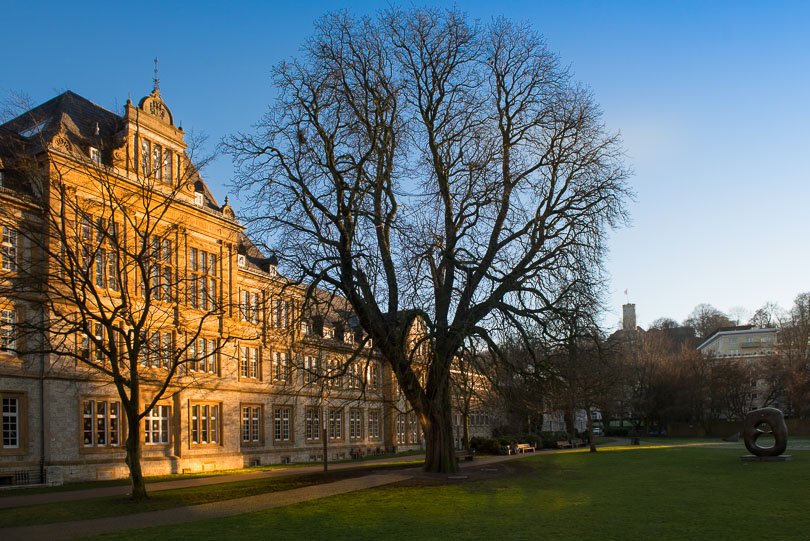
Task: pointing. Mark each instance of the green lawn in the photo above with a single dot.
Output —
(665, 493)
(11, 493)
(166, 499)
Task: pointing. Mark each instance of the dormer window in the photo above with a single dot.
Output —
(36, 129)
(95, 155)
(328, 332)
(241, 261)
(304, 328)
(2, 179)
(198, 199)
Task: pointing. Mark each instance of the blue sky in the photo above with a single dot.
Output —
(712, 100)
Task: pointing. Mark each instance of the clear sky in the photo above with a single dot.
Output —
(712, 100)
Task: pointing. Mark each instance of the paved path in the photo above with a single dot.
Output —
(226, 508)
(123, 490)
(80, 528)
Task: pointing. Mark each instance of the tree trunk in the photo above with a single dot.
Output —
(591, 439)
(466, 434)
(440, 454)
(133, 460)
(570, 427)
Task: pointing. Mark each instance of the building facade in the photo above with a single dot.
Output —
(753, 351)
(256, 378)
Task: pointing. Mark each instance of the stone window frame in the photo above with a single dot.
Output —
(375, 430)
(280, 423)
(313, 423)
(218, 424)
(254, 426)
(22, 423)
(85, 448)
(151, 418)
(356, 428)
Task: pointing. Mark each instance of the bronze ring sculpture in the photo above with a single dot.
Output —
(765, 421)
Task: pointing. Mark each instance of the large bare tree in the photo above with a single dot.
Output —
(424, 166)
(103, 282)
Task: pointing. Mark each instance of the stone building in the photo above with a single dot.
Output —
(258, 380)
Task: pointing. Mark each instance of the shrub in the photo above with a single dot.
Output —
(486, 446)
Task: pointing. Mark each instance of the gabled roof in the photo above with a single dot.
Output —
(254, 257)
(81, 120)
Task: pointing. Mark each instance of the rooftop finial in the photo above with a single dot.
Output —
(156, 81)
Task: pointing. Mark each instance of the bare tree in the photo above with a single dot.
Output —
(663, 323)
(768, 315)
(794, 350)
(103, 282)
(426, 167)
(706, 319)
(582, 368)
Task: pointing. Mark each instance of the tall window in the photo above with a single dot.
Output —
(249, 363)
(101, 423)
(90, 349)
(9, 249)
(11, 422)
(203, 286)
(281, 313)
(146, 152)
(160, 268)
(352, 378)
(202, 355)
(251, 424)
(333, 369)
(167, 166)
(355, 424)
(281, 366)
(374, 376)
(374, 424)
(312, 424)
(8, 330)
(105, 271)
(311, 369)
(205, 424)
(156, 425)
(281, 423)
(157, 160)
(249, 306)
(335, 426)
(400, 428)
(158, 351)
(413, 426)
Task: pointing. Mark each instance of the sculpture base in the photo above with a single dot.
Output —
(754, 458)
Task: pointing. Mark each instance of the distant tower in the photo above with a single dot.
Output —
(629, 317)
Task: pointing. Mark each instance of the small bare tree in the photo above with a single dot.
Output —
(103, 279)
(426, 167)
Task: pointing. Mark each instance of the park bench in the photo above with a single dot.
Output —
(525, 447)
(466, 455)
(577, 442)
(564, 444)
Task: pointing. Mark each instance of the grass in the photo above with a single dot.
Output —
(647, 493)
(10, 493)
(167, 499)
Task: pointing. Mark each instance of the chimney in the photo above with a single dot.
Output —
(629, 317)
